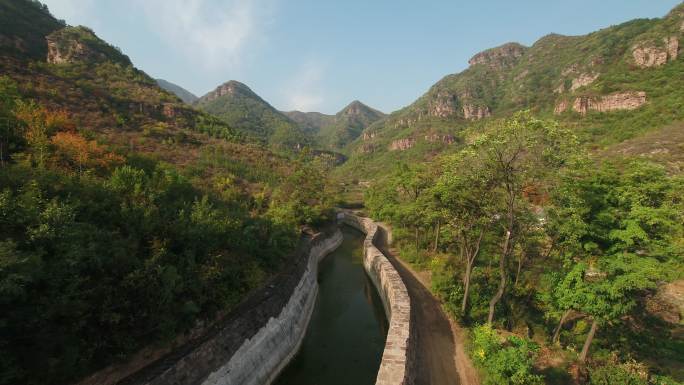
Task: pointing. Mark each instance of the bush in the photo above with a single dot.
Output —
(504, 361)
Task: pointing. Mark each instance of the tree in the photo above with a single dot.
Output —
(71, 149)
(518, 153)
(616, 229)
(40, 123)
(465, 194)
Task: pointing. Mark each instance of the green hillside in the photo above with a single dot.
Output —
(122, 209)
(184, 95)
(237, 105)
(335, 132)
(610, 85)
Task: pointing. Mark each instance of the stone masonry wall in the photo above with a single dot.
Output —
(261, 358)
(397, 363)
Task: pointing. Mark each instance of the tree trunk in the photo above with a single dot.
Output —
(517, 273)
(502, 283)
(556, 333)
(470, 262)
(434, 248)
(466, 281)
(416, 238)
(587, 342)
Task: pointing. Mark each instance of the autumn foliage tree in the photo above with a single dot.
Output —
(72, 150)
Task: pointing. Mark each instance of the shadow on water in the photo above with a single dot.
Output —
(346, 336)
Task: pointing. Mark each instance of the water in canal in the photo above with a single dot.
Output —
(346, 336)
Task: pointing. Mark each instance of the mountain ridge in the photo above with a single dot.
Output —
(611, 84)
(184, 95)
(240, 107)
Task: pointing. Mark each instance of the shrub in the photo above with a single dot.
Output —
(504, 361)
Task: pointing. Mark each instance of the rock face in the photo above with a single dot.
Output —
(232, 88)
(367, 148)
(650, 55)
(668, 302)
(499, 57)
(437, 138)
(444, 105)
(618, 101)
(368, 136)
(583, 80)
(561, 107)
(402, 144)
(473, 112)
(80, 45)
(70, 52)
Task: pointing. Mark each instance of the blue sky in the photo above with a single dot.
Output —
(318, 55)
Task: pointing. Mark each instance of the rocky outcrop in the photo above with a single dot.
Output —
(367, 148)
(402, 144)
(398, 359)
(651, 55)
(443, 105)
(500, 57)
(561, 107)
(583, 80)
(438, 138)
(232, 88)
(80, 45)
(368, 135)
(668, 302)
(618, 101)
(473, 112)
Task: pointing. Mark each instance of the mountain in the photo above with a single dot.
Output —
(611, 85)
(128, 219)
(237, 105)
(184, 95)
(334, 132)
(310, 121)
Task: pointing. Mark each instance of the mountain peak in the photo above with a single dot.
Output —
(231, 88)
(356, 108)
(503, 56)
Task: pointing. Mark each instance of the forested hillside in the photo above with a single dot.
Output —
(126, 217)
(609, 86)
(237, 105)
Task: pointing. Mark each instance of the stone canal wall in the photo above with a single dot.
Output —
(397, 363)
(261, 358)
(254, 345)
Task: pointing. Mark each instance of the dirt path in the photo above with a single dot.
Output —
(441, 355)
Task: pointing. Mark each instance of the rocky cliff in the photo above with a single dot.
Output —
(613, 102)
(504, 56)
(80, 45)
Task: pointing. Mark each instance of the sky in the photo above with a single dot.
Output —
(319, 55)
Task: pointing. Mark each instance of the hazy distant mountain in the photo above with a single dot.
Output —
(184, 95)
(237, 105)
(310, 121)
(336, 131)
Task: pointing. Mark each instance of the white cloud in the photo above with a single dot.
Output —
(304, 91)
(211, 34)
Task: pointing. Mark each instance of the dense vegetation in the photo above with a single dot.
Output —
(122, 210)
(525, 232)
(241, 108)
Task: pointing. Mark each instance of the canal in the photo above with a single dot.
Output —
(346, 335)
